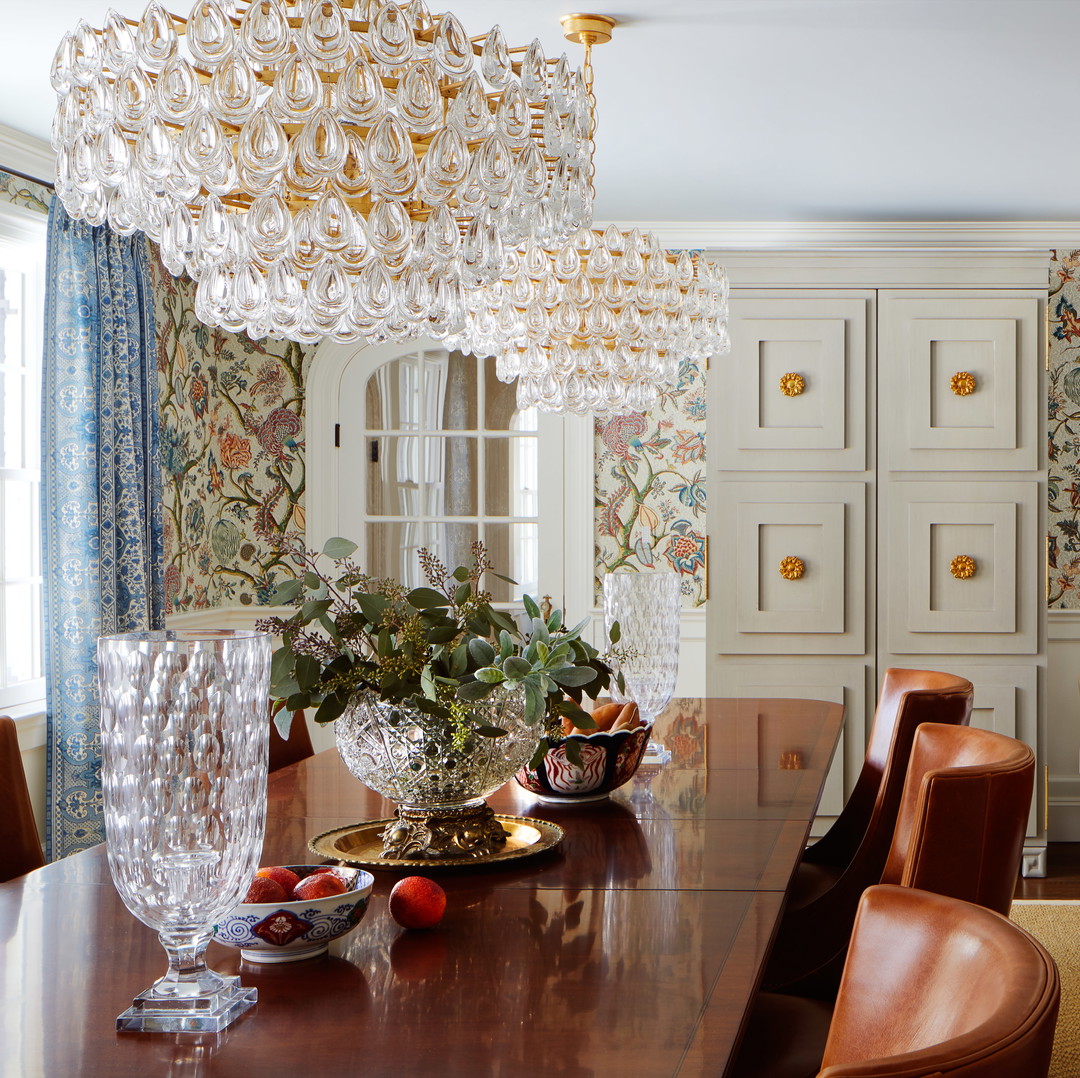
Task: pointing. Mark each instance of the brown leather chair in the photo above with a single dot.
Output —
(298, 745)
(932, 986)
(825, 890)
(963, 816)
(20, 850)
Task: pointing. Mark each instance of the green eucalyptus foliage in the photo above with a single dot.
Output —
(438, 648)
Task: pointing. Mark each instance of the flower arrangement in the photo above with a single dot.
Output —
(438, 648)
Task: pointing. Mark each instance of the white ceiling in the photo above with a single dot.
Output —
(768, 110)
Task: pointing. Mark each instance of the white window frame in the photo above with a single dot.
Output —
(25, 229)
(566, 454)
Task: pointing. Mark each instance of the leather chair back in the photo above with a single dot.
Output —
(297, 747)
(936, 986)
(907, 699)
(20, 850)
(960, 830)
(824, 894)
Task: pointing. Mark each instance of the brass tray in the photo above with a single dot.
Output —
(361, 844)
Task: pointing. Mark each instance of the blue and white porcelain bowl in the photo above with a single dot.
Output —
(290, 931)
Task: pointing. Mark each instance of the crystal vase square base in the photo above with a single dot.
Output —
(209, 1013)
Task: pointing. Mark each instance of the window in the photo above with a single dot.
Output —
(22, 257)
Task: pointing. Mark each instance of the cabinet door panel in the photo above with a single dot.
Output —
(960, 375)
(820, 423)
(958, 570)
(793, 577)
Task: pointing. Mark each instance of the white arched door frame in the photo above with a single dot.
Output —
(566, 447)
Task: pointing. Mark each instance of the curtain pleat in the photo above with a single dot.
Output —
(100, 497)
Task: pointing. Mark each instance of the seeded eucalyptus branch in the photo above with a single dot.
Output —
(438, 648)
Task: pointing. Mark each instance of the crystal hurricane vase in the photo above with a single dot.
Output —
(647, 606)
(184, 740)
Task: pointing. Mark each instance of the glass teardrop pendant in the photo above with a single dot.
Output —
(451, 47)
(297, 89)
(234, 91)
(209, 32)
(390, 36)
(359, 93)
(495, 59)
(321, 145)
(418, 99)
(325, 33)
(155, 39)
(264, 32)
(177, 90)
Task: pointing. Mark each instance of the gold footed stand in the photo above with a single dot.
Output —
(366, 845)
(470, 832)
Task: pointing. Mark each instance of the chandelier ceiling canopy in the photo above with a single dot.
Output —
(341, 168)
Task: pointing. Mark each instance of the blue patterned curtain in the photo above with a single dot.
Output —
(100, 497)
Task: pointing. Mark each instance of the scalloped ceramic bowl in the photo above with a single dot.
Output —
(290, 931)
(609, 759)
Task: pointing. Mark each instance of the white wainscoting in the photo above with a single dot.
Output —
(1063, 724)
(30, 728)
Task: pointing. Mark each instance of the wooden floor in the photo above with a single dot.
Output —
(1062, 878)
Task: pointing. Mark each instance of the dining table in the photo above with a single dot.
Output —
(632, 947)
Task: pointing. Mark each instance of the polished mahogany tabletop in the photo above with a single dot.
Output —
(632, 948)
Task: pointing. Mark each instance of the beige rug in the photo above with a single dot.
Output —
(1056, 925)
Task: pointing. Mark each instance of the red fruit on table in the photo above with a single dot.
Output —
(417, 902)
(319, 885)
(264, 889)
(285, 876)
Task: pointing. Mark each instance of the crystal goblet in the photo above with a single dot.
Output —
(185, 745)
(647, 606)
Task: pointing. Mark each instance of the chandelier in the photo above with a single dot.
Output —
(599, 322)
(321, 168)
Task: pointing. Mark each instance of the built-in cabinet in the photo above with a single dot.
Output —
(877, 490)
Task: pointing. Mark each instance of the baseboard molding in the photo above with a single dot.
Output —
(1033, 864)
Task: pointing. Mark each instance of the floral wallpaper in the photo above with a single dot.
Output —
(232, 447)
(24, 192)
(234, 462)
(650, 487)
(1063, 435)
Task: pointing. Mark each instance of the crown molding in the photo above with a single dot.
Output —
(862, 235)
(28, 155)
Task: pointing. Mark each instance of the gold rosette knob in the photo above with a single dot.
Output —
(791, 568)
(962, 567)
(962, 383)
(792, 384)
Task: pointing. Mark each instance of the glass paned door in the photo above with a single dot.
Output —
(442, 458)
